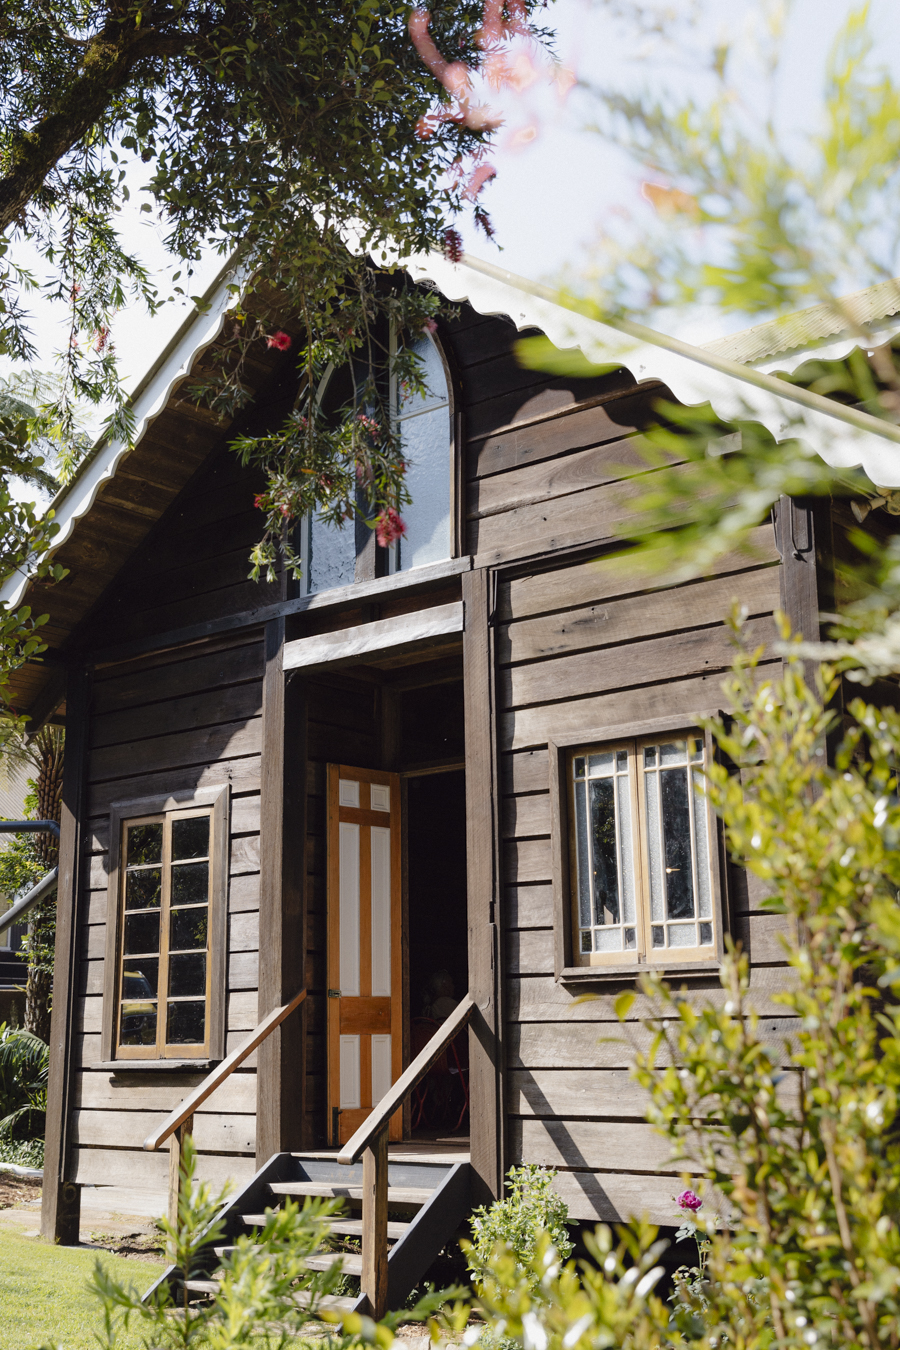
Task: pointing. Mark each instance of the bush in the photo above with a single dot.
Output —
(514, 1223)
(24, 1067)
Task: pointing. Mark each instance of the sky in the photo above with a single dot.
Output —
(549, 197)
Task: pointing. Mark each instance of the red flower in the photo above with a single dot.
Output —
(280, 341)
(389, 526)
(453, 246)
(688, 1200)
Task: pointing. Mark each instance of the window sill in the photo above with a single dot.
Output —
(605, 974)
(155, 1065)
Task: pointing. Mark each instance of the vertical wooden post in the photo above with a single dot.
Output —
(486, 1123)
(176, 1175)
(61, 1198)
(374, 1280)
(281, 1072)
(799, 574)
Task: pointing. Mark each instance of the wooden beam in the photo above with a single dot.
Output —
(176, 1168)
(482, 835)
(61, 1198)
(281, 1072)
(374, 1279)
(799, 572)
(366, 639)
(343, 597)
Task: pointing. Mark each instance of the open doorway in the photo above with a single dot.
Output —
(437, 928)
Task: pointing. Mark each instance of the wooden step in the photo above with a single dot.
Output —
(351, 1264)
(203, 1286)
(399, 1195)
(353, 1228)
(339, 1302)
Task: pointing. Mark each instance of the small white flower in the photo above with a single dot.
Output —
(873, 1111)
(576, 1331)
(789, 1295)
(649, 1280)
(756, 841)
(609, 1264)
(729, 1007)
(534, 1337)
(800, 1320)
(630, 1275)
(472, 1335)
(810, 1337)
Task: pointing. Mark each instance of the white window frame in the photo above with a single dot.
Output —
(570, 963)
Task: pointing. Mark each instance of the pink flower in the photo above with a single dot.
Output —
(389, 526)
(689, 1200)
(430, 326)
(280, 341)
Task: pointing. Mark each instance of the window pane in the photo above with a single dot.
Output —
(582, 857)
(144, 844)
(701, 846)
(332, 555)
(425, 441)
(190, 884)
(603, 840)
(190, 838)
(608, 939)
(579, 766)
(601, 765)
(654, 847)
(187, 975)
(143, 889)
(138, 1024)
(706, 935)
(186, 1024)
(659, 935)
(434, 379)
(673, 752)
(682, 935)
(140, 978)
(676, 832)
(141, 933)
(630, 939)
(626, 848)
(188, 928)
(621, 761)
(586, 943)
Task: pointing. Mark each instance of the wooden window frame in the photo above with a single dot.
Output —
(216, 801)
(565, 968)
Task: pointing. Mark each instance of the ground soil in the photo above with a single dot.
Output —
(19, 1190)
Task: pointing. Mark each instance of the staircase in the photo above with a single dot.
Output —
(427, 1200)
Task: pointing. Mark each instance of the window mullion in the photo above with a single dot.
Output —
(638, 834)
(163, 1003)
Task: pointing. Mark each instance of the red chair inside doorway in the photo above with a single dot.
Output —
(446, 1085)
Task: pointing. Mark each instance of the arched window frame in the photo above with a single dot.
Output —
(455, 477)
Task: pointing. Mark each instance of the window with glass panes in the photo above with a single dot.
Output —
(641, 868)
(164, 965)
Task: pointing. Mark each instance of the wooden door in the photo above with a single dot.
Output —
(365, 952)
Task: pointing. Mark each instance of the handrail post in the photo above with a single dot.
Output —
(176, 1169)
(374, 1281)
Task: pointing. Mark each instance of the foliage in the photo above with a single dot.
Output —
(748, 216)
(23, 1153)
(24, 1065)
(513, 1223)
(267, 1292)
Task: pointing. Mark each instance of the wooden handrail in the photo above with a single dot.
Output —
(371, 1141)
(380, 1115)
(217, 1076)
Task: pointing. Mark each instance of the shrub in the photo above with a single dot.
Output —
(514, 1223)
(24, 1066)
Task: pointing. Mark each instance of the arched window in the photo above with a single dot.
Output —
(337, 557)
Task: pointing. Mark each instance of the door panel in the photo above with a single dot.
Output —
(365, 956)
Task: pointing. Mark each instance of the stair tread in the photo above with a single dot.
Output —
(353, 1228)
(203, 1286)
(351, 1264)
(409, 1195)
(339, 1302)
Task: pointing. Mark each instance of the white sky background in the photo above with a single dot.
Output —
(549, 197)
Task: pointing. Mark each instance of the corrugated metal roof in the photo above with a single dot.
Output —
(810, 327)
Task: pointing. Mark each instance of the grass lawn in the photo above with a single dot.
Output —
(44, 1297)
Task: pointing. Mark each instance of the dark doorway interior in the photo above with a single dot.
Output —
(438, 966)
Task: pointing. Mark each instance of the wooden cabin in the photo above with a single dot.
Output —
(461, 766)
